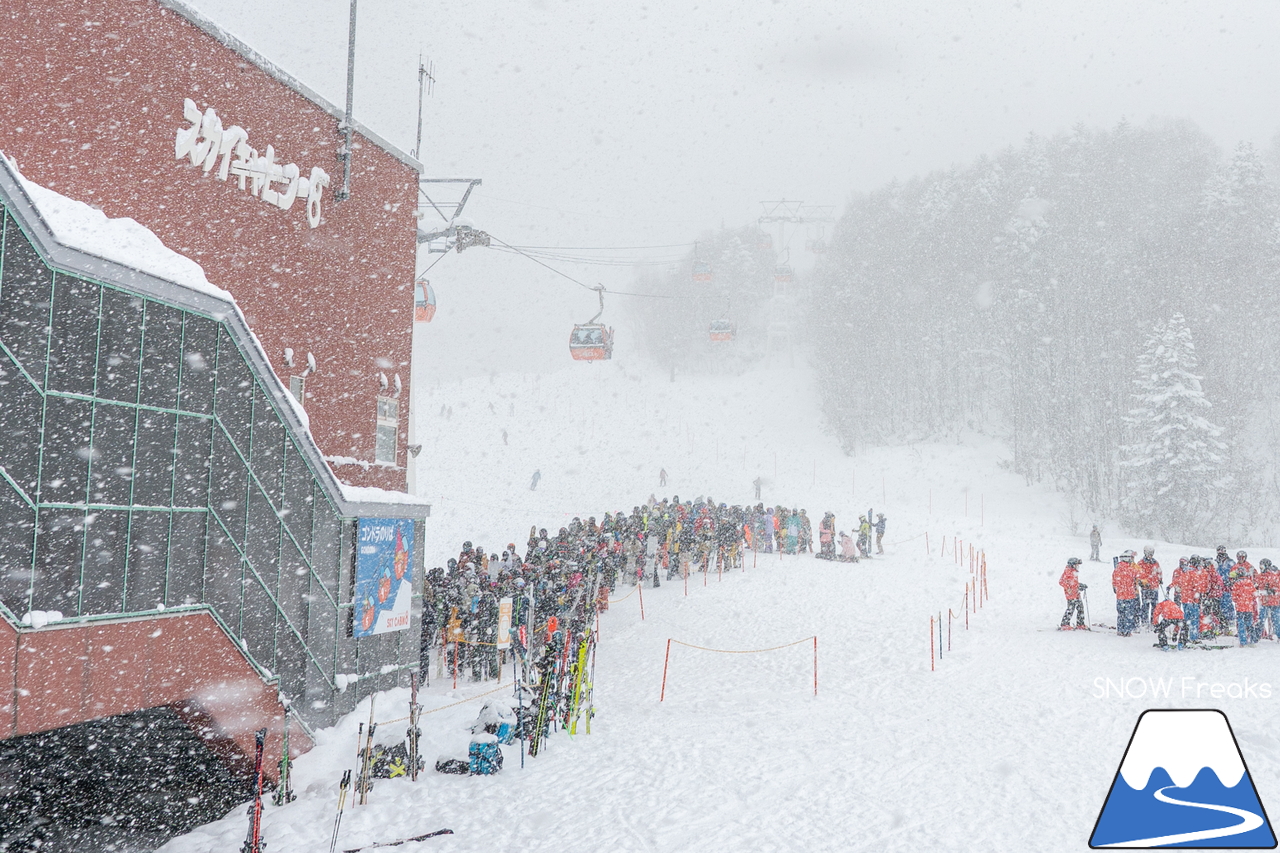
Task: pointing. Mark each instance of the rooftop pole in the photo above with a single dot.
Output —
(345, 153)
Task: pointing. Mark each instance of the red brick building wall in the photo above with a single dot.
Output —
(91, 100)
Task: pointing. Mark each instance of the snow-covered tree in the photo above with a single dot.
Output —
(1173, 467)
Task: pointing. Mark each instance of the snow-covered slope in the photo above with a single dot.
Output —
(1010, 745)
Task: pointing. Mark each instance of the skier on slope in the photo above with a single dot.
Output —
(1167, 616)
(827, 536)
(1150, 582)
(1244, 598)
(1095, 544)
(879, 526)
(1225, 609)
(1188, 581)
(1071, 586)
(1124, 581)
(806, 533)
(1268, 583)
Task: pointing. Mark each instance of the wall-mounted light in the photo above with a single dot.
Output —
(399, 386)
(311, 365)
(382, 381)
(414, 450)
(288, 356)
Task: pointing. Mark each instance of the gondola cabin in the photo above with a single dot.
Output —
(591, 342)
(723, 330)
(424, 302)
(702, 271)
(782, 274)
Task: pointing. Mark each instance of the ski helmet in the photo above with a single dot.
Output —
(1074, 561)
(1241, 555)
(1149, 551)
(1266, 565)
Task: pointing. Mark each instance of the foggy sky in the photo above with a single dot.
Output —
(642, 123)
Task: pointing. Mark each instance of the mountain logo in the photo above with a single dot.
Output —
(1183, 783)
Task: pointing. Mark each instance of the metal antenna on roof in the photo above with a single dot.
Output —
(427, 79)
(344, 153)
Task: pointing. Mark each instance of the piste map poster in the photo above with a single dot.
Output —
(384, 575)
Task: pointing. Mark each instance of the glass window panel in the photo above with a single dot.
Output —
(234, 400)
(291, 661)
(259, 631)
(105, 544)
(111, 467)
(24, 301)
(223, 574)
(186, 559)
(161, 356)
(154, 459)
(297, 500)
(119, 346)
(268, 446)
(228, 491)
(20, 413)
(322, 633)
(262, 542)
(199, 360)
(385, 447)
(17, 528)
(65, 473)
(74, 348)
(59, 547)
(295, 586)
(148, 553)
(194, 456)
(326, 545)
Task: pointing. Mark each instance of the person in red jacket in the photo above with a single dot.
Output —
(1188, 580)
(1268, 583)
(1150, 582)
(1168, 615)
(1244, 598)
(1213, 597)
(1124, 581)
(1070, 583)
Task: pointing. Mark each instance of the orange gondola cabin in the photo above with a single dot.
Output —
(591, 342)
(723, 330)
(424, 302)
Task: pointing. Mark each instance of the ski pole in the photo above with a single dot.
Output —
(342, 800)
(1084, 593)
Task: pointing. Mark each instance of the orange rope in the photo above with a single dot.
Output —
(742, 651)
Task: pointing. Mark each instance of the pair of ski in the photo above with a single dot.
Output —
(400, 841)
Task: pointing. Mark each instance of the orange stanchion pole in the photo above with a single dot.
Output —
(966, 607)
(926, 543)
(939, 635)
(640, 589)
(455, 664)
(815, 664)
(665, 661)
(931, 644)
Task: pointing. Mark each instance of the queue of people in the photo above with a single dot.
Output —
(660, 540)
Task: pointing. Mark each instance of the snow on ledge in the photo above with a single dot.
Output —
(76, 225)
(371, 494)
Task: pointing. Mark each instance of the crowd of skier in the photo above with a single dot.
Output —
(1205, 598)
(560, 577)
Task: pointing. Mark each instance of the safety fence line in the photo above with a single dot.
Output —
(976, 595)
(450, 705)
(667, 659)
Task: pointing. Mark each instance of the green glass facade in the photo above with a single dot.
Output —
(147, 462)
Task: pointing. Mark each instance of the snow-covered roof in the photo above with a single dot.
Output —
(80, 240)
(198, 19)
